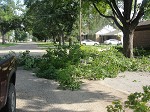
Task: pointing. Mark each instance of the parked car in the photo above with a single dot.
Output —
(113, 41)
(7, 84)
(89, 42)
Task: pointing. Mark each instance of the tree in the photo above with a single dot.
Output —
(126, 15)
(20, 35)
(91, 20)
(9, 20)
(147, 15)
(53, 18)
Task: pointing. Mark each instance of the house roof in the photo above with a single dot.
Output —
(108, 30)
(105, 30)
(143, 23)
(115, 32)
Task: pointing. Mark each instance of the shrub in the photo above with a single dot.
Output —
(141, 52)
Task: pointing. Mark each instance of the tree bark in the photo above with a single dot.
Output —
(60, 40)
(63, 39)
(45, 40)
(128, 42)
(54, 39)
(3, 37)
(70, 42)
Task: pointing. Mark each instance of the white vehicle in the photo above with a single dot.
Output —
(113, 42)
(89, 42)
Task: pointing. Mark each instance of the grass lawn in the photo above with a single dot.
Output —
(7, 44)
(45, 45)
(98, 47)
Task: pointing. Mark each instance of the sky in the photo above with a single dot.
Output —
(21, 1)
(139, 1)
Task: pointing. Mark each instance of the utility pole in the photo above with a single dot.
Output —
(80, 23)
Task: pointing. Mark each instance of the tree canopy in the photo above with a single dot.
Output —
(51, 18)
(91, 20)
(126, 15)
(9, 19)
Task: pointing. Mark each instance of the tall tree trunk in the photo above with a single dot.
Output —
(70, 42)
(45, 40)
(60, 40)
(63, 39)
(128, 42)
(3, 37)
(54, 39)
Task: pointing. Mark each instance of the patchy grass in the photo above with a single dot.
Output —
(46, 45)
(98, 47)
(7, 44)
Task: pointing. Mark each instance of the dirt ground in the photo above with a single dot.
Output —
(129, 82)
(41, 95)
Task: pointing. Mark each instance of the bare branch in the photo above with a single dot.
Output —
(114, 11)
(140, 14)
(127, 9)
(135, 11)
(111, 17)
(100, 12)
(117, 10)
(138, 17)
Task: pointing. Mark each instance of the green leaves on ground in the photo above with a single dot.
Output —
(68, 65)
(138, 102)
